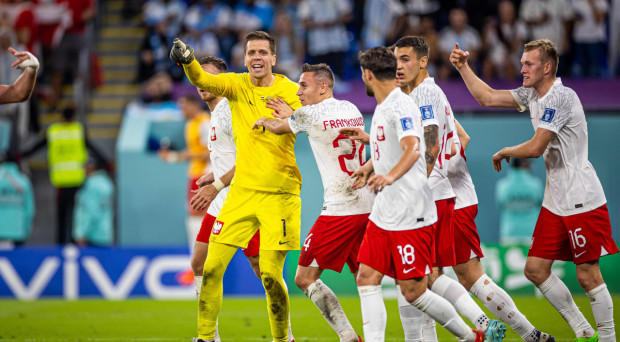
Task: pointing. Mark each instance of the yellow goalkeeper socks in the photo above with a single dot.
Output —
(212, 289)
(271, 267)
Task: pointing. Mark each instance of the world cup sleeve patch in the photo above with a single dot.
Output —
(427, 112)
(407, 123)
(548, 115)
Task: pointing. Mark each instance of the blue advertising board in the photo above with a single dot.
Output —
(112, 273)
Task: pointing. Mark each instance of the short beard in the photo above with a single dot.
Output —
(369, 90)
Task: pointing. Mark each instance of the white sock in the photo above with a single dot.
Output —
(429, 332)
(440, 310)
(374, 316)
(290, 337)
(456, 294)
(327, 302)
(217, 333)
(410, 317)
(502, 306)
(198, 282)
(603, 310)
(559, 296)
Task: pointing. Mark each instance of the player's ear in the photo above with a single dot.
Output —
(423, 62)
(273, 60)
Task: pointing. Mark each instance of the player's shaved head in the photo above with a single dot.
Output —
(218, 63)
(548, 52)
(380, 61)
(260, 35)
(321, 72)
(418, 44)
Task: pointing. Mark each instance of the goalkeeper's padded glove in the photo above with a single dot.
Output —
(31, 62)
(181, 53)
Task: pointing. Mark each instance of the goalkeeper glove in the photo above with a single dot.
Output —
(181, 53)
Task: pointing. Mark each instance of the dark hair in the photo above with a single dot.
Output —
(418, 44)
(380, 61)
(548, 52)
(192, 99)
(260, 35)
(320, 71)
(520, 163)
(68, 113)
(218, 63)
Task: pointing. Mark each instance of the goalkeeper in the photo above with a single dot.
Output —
(265, 190)
(22, 88)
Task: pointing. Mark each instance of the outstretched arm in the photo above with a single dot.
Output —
(21, 89)
(356, 134)
(273, 125)
(532, 148)
(484, 94)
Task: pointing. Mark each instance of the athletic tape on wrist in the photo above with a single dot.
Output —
(218, 184)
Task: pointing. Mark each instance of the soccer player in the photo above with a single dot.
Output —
(266, 185)
(399, 237)
(212, 195)
(337, 234)
(573, 224)
(21, 89)
(412, 75)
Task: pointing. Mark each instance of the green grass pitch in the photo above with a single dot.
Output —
(241, 319)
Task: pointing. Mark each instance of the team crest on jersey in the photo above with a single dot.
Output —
(407, 123)
(213, 135)
(548, 115)
(293, 117)
(380, 134)
(427, 112)
(217, 227)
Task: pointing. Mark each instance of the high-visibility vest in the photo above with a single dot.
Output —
(66, 154)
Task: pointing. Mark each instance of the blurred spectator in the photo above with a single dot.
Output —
(66, 155)
(503, 41)
(381, 18)
(94, 212)
(73, 42)
(26, 27)
(157, 89)
(16, 204)
(614, 38)
(519, 196)
(195, 152)
(327, 36)
(172, 10)
(550, 19)
(238, 53)
(590, 37)
(253, 15)
(458, 32)
(154, 51)
(290, 48)
(213, 18)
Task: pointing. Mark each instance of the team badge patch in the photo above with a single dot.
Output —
(293, 117)
(407, 123)
(217, 227)
(427, 112)
(548, 115)
(380, 134)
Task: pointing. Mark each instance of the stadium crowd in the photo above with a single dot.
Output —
(332, 31)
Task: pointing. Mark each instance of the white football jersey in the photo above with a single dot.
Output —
(572, 184)
(460, 179)
(222, 148)
(436, 110)
(336, 156)
(407, 203)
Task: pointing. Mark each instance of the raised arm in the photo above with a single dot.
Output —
(481, 91)
(463, 136)
(182, 53)
(21, 89)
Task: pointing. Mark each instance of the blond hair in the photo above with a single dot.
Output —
(548, 52)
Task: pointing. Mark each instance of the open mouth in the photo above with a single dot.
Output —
(257, 67)
(400, 75)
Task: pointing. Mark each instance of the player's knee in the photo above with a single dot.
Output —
(271, 280)
(535, 274)
(410, 293)
(212, 273)
(302, 281)
(197, 265)
(366, 278)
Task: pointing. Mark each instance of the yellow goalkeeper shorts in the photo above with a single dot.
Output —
(278, 216)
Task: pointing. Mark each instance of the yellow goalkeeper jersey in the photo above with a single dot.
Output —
(265, 161)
